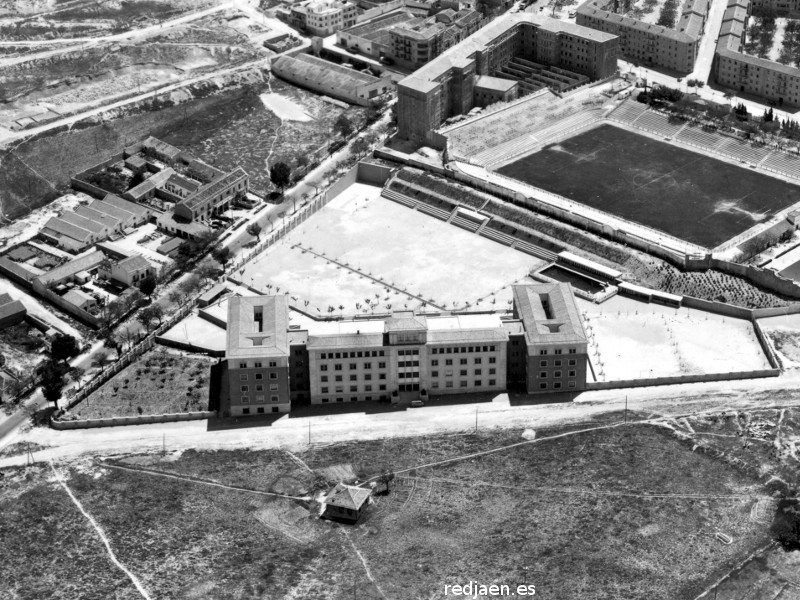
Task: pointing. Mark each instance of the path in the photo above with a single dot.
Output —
(103, 538)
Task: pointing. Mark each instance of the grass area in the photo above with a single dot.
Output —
(562, 514)
(157, 383)
(656, 184)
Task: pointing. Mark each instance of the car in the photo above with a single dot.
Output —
(417, 403)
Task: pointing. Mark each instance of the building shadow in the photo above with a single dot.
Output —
(523, 399)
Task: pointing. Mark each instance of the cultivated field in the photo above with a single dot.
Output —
(157, 383)
(612, 513)
(632, 340)
(361, 237)
(693, 197)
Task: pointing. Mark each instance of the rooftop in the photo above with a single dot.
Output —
(348, 496)
(257, 326)
(549, 313)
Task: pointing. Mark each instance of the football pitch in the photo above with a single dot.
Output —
(688, 195)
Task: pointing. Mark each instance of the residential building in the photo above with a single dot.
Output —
(11, 311)
(129, 271)
(323, 17)
(647, 43)
(545, 52)
(749, 74)
(257, 355)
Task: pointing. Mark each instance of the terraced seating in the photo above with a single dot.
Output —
(788, 164)
(659, 123)
(699, 137)
(399, 198)
(470, 226)
(628, 112)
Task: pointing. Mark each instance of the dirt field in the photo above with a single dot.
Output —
(158, 383)
(631, 340)
(410, 253)
(624, 513)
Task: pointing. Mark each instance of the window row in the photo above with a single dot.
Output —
(359, 354)
(460, 349)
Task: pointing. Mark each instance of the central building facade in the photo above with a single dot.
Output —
(404, 356)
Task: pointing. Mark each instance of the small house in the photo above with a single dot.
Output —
(346, 502)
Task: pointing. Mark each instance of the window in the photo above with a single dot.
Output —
(245, 388)
(242, 377)
(259, 376)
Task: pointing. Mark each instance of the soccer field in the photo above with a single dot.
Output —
(688, 195)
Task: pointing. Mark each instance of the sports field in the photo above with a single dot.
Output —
(690, 196)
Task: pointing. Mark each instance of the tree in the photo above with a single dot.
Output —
(148, 285)
(151, 313)
(254, 229)
(52, 381)
(360, 147)
(343, 126)
(64, 347)
(221, 254)
(280, 174)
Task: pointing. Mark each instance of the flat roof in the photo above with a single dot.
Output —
(248, 336)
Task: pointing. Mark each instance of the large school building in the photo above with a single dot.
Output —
(540, 348)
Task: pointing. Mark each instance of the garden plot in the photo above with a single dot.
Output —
(157, 383)
(653, 341)
(364, 246)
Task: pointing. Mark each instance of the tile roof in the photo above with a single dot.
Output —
(246, 337)
(348, 496)
(559, 323)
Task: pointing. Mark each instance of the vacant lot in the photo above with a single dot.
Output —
(158, 383)
(693, 197)
(613, 513)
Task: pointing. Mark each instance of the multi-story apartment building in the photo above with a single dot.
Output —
(257, 355)
(445, 87)
(650, 44)
(323, 17)
(404, 355)
(743, 73)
